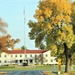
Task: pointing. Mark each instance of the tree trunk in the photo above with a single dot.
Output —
(66, 56)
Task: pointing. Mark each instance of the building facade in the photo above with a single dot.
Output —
(29, 57)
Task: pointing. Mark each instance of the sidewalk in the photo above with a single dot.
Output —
(3, 72)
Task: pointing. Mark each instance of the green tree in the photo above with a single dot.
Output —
(53, 26)
(23, 48)
(42, 46)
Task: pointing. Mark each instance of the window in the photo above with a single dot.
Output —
(30, 55)
(15, 55)
(16, 61)
(4, 55)
(46, 55)
(25, 55)
(5, 61)
(21, 61)
(20, 55)
(46, 60)
(11, 55)
(51, 60)
(31, 61)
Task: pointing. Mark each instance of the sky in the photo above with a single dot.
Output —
(11, 11)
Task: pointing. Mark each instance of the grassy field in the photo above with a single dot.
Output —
(41, 67)
(47, 69)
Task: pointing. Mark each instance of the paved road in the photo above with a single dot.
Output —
(24, 73)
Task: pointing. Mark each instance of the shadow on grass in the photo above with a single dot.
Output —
(55, 72)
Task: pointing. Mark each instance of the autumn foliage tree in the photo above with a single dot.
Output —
(3, 43)
(11, 43)
(3, 26)
(7, 42)
(3, 30)
(53, 26)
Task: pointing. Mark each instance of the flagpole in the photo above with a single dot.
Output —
(24, 35)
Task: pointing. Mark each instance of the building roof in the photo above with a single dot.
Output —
(27, 51)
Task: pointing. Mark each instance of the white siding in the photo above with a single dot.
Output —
(12, 57)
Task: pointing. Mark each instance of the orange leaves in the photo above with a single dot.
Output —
(3, 42)
(6, 41)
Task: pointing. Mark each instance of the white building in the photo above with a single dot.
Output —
(29, 56)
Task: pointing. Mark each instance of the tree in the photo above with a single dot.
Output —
(6, 42)
(3, 25)
(53, 26)
(73, 15)
(42, 46)
(11, 43)
(3, 43)
(23, 48)
(40, 59)
(72, 49)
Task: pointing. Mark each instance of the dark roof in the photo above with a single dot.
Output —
(27, 51)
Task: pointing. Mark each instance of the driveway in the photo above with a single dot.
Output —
(24, 73)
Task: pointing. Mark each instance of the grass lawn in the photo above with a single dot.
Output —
(41, 67)
(47, 69)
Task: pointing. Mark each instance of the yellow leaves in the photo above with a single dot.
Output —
(64, 6)
(47, 12)
(40, 18)
(67, 18)
(53, 17)
(73, 8)
(68, 29)
(54, 48)
(70, 40)
(49, 26)
(63, 18)
(38, 15)
(38, 12)
(52, 1)
(56, 10)
(59, 17)
(63, 36)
